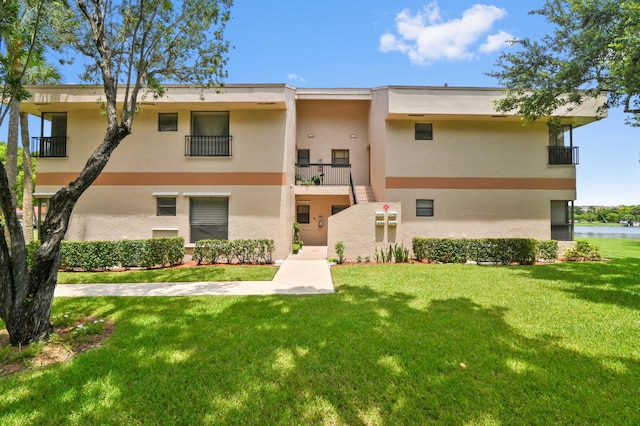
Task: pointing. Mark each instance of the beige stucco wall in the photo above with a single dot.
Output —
(332, 124)
(112, 213)
(471, 149)
(377, 135)
(359, 230)
(257, 146)
(479, 213)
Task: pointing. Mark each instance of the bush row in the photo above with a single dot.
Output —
(96, 255)
(504, 251)
(242, 251)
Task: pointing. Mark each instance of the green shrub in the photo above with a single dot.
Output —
(492, 250)
(244, 251)
(339, 246)
(295, 249)
(441, 250)
(394, 253)
(547, 251)
(583, 251)
(503, 250)
(100, 255)
(400, 253)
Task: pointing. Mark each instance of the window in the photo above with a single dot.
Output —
(304, 157)
(209, 134)
(54, 145)
(303, 214)
(560, 136)
(168, 122)
(561, 149)
(339, 157)
(424, 207)
(424, 131)
(165, 206)
(338, 209)
(209, 218)
(210, 123)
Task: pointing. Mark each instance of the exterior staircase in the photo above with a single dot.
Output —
(364, 194)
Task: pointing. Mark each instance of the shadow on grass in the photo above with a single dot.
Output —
(357, 357)
(615, 282)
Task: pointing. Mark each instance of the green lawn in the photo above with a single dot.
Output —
(187, 274)
(396, 345)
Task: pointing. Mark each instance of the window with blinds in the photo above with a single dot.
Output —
(209, 218)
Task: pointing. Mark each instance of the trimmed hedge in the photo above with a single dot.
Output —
(242, 251)
(100, 255)
(505, 251)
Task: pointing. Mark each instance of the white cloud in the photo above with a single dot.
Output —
(425, 37)
(496, 42)
(295, 77)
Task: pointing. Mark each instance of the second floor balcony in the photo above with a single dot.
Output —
(207, 146)
(323, 174)
(563, 155)
(49, 146)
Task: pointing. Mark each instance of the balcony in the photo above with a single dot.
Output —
(49, 146)
(323, 174)
(563, 154)
(207, 146)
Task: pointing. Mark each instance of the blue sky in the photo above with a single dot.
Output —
(364, 43)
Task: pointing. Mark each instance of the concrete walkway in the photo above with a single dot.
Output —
(306, 273)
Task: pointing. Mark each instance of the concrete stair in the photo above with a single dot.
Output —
(364, 194)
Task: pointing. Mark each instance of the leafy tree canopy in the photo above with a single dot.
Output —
(593, 51)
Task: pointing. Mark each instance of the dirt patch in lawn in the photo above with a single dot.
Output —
(63, 345)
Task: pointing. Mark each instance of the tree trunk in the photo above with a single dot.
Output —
(25, 313)
(26, 296)
(12, 146)
(27, 194)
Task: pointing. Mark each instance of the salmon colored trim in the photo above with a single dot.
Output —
(140, 179)
(480, 183)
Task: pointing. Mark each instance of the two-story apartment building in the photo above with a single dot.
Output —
(366, 166)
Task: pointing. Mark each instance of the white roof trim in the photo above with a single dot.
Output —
(165, 194)
(207, 194)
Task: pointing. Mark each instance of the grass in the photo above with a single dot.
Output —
(397, 344)
(187, 274)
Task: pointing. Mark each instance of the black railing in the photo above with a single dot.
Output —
(563, 154)
(353, 189)
(323, 174)
(207, 146)
(49, 146)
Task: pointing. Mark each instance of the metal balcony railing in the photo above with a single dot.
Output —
(49, 146)
(563, 154)
(207, 146)
(323, 174)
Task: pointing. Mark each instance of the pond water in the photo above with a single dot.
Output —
(606, 231)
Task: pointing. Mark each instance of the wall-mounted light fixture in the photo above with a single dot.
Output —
(311, 135)
(353, 136)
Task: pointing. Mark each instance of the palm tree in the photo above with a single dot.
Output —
(36, 73)
(23, 63)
